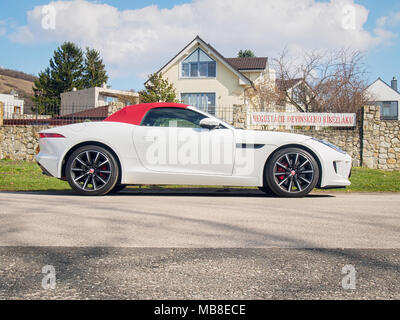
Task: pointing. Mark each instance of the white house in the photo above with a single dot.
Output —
(12, 105)
(207, 80)
(387, 97)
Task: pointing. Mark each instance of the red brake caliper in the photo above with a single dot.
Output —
(104, 168)
(280, 169)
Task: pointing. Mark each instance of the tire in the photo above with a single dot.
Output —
(118, 187)
(292, 173)
(92, 171)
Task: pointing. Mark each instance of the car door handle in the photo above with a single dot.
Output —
(150, 138)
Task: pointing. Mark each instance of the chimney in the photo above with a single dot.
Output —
(394, 84)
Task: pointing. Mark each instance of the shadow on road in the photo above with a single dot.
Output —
(175, 192)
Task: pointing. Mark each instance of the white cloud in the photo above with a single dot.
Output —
(140, 41)
(381, 30)
(383, 25)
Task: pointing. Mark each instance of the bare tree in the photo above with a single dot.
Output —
(264, 95)
(332, 81)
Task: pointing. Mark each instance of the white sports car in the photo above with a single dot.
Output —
(169, 143)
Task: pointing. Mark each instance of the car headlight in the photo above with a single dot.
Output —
(330, 145)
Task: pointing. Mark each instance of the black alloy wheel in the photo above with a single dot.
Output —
(92, 170)
(292, 172)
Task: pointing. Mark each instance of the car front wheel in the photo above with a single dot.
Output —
(292, 173)
(92, 171)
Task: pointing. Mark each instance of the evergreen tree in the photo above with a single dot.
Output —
(158, 89)
(69, 68)
(95, 74)
(64, 73)
(45, 95)
(246, 54)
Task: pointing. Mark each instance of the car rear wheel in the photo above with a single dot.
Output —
(92, 171)
(292, 173)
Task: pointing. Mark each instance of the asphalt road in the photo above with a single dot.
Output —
(236, 219)
(215, 245)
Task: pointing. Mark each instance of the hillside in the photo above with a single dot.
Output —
(18, 81)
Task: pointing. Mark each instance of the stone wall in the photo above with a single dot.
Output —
(239, 116)
(380, 141)
(19, 142)
(374, 143)
(114, 107)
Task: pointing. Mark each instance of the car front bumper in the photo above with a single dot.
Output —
(336, 166)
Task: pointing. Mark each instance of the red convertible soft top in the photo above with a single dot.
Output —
(134, 114)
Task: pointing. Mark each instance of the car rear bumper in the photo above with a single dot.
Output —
(48, 164)
(44, 171)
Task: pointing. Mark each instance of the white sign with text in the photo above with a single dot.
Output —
(304, 119)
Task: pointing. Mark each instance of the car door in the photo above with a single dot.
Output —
(171, 140)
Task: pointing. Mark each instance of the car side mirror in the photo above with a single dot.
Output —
(209, 123)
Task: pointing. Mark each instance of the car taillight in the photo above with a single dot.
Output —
(50, 135)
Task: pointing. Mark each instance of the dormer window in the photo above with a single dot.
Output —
(199, 64)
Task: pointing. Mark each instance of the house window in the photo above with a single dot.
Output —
(389, 110)
(17, 109)
(297, 94)
(201, 101)
(199, 64)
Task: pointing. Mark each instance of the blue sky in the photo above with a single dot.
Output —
(158, 33)
(383, 61)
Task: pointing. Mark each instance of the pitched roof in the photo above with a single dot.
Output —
(287, 84)
(249, 63)
(380, 79)
(220, 56)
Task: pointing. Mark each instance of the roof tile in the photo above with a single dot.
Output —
(253, 63)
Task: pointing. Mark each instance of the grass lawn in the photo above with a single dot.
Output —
(371, 180)
(27, 176)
